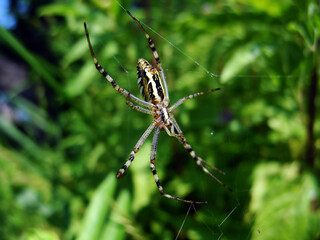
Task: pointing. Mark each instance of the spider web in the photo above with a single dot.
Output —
(216, 227)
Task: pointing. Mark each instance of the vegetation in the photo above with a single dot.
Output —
(65, 131)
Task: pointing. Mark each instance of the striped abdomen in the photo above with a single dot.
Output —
(149, 82)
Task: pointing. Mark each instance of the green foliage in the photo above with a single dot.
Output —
(280, 194)
(96, 225)
(65, 131)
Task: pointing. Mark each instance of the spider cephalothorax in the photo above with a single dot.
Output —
(153, 88)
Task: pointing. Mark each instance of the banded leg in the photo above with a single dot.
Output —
(150, 41)
(136, 149)
(109, 78)
(154, 172)
(182, 100)
(155, 55)
(138, 108)
(199, 161)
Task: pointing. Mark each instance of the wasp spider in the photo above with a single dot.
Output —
(153, 87)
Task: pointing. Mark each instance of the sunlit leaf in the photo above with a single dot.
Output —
(281, 202)
(63, 9)
(40, 234)
(242, 57)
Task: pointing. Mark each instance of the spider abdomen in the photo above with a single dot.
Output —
(149, 82)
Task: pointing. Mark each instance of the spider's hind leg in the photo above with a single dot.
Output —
(200, 162)
(154, 172)
(136, 149)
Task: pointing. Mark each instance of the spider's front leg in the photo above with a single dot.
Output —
(136, 149)
(105, 74)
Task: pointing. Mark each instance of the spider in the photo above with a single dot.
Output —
(153, 88)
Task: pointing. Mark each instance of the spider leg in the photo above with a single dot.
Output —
(156, 57)
(138, 108)
(182, 100)
(213, 167)
(150, 41)
(109, 78)
(136, 149)
(154, 172)
(199, 161)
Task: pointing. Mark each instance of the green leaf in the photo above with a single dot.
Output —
(271, 7)
(115, 228)
(37, 65)
(81, 81)
(306, 32)
(98, 209)
(77, 51)
(71, 8)
(241, 58)
(40, 234)
(281, 202)
(24, 141)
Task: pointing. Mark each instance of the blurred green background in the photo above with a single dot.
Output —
(65, 132)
